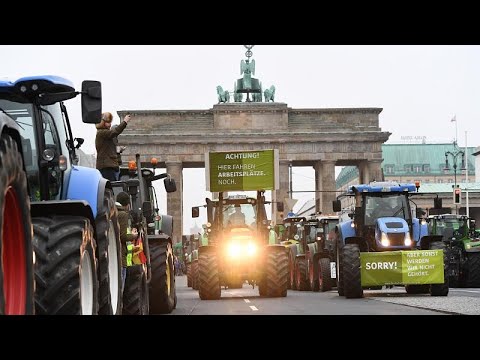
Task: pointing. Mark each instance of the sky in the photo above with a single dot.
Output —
(420, 87)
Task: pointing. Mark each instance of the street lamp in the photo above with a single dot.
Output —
(455, 154)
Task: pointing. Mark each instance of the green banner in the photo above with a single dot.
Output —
(402, 267)
(240, 170)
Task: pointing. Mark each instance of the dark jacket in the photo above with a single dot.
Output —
(124, 237)
(106, 149)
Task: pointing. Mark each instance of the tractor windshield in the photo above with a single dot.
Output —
(447, 226)
(386, 205)
(239, 215)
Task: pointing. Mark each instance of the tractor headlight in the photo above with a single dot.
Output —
(251, 249)
(408, 239)
(234, 250)
(384, 240)
(468, 246)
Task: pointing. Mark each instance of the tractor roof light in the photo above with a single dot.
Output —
(132, 166)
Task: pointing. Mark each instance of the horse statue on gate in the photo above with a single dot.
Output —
(223, 95)
(269, 94)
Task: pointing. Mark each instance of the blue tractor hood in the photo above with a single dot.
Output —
(392, 225)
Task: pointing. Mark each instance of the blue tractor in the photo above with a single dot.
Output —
(67, 212)
(383, 220)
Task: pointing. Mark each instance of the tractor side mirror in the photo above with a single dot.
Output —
(91, 102)
(147, 209)
(280, 206)
(337, 205)
(195, 212)
(170, 185)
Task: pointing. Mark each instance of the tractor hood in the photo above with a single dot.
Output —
(392, 225)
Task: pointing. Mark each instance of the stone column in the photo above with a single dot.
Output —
(375, 170)
(282, 193)
(175, 199)
(324, 181)
(363, 172)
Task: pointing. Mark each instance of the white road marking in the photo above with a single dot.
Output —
(470, 291)
(253, 308)
(246, 300)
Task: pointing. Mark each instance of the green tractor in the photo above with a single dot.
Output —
(150, 287)
(287, 233)
(190, 246)
(463, 247)
(238, 248)
(315, 253)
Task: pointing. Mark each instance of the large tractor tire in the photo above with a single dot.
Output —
(313, 274)
(472, 278)
(135, 293)
(189, 275)
(417, 289)
(301, 276)
(208, 277)
(16, 260)
(440, 289)
(324, 275)
(65, 266)
(276, 273)
(195, 274)
(339, 264)
(292, 253)
(351, 271)
(109, 256)
(162, 286)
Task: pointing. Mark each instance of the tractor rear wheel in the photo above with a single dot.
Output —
(65, 266)
(301, 280)
(109, 256)
(339, 264)
(189, 275)
(473, 270)
(208, 277)
(162, 288)
(440, 289)
(16, 260)
(324, 274)
(275, 277)
(135, 294)
(195, 274)
(351, 271)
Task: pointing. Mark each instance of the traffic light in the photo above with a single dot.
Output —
(457, 196)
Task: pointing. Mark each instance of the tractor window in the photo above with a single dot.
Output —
(387, 205)
(52, 142)
(22, 115)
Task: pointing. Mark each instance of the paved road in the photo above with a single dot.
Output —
(246, 301)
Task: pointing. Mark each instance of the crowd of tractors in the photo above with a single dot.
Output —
(323, 251)
(60, 238)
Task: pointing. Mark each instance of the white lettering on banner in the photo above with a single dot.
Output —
(242, 156)
(226, 182)
(381, 265)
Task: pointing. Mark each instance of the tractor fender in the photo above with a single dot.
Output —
(160, 238)
(345, 230)
(167, 225)
(473, 250)
(425, 241)
(89, 185)
(360, 241)
(206, 249)
(63, 207)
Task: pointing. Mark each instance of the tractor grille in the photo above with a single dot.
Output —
(396, 239)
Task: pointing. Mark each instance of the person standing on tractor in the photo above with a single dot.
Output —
(107, 157)
(126, 236)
